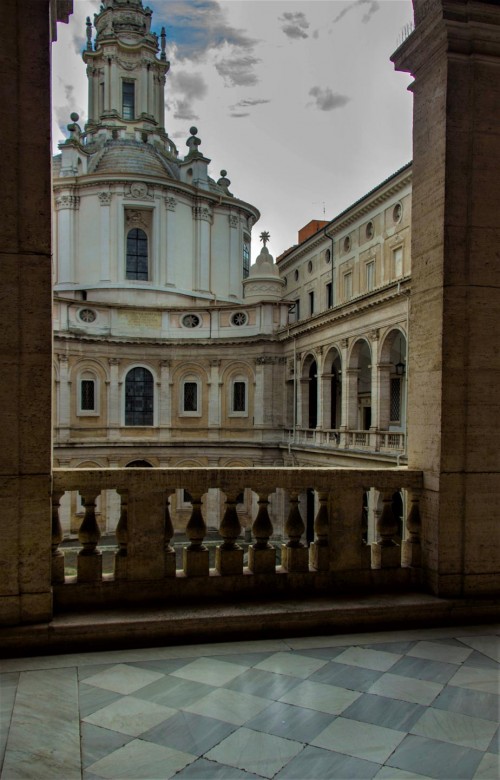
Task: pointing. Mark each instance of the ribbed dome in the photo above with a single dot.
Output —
(132, 158)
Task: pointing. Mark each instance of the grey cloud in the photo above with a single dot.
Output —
(184, 110)
(191, 85)
(237, 71)
(249, 102)
(68, 92)
(373, 7)
(326, 100)
(294, 25)
(238, 116)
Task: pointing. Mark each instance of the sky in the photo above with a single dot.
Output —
(298, 101)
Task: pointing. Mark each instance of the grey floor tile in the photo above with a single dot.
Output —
(174, 692)
(254, 751)
(325, 653)
(90, 776)
(89, 671)
(352, 677)
(166, 665)
(317, 764)
(469, 702)
(203, 769)
(481, 661)
(423, 669)
(392, 647)
(494, 746)
(189, 733)
(439, 760)
(382, 711)
(92, 699)
(242, 659)
(8, 688)
(286, 720)
(266, 684)
(97, 742)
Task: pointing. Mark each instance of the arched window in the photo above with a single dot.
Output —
(139, 397)
(137, 255)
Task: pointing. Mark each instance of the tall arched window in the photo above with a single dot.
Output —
(139, 397)
(137, 255)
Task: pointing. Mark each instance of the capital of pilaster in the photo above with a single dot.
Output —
(202, 212)
(104, 198)
(170, 203)
(67, 202)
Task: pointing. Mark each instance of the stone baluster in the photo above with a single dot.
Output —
(294, 556)
(121, 533)
(57, 537)
(89, 560)
(386, 554)
(262, 555)
(229, 555)
(195, 557)
(318, 551)
(170, 565)
(412, 550)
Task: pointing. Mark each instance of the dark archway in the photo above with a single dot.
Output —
(313, 395)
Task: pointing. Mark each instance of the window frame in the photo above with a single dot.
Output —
(131, 278)
(329, 295)
(127, 82)
(87, 376)
(183, 412)
(153, 423)
(232, 411)
(370, 271)
(246, 256)
(395, 252)
(311, 298)
(347, 275)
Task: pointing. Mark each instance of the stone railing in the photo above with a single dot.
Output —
(383, 441)
(145, 561)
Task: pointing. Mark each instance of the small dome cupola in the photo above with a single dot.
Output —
(263, 282)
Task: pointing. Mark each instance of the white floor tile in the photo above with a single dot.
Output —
(361, 740)
(123, 679)
(294, 665)
(130, 716)
(321, 697)
(485, 680)
(229, 706)
(253, 751)
(139, 760)
(456, 728)
(434, 652)
(394, 686)
(390, 773)
(489, 768)
(210, 672)
(378, 660)
(487, 645)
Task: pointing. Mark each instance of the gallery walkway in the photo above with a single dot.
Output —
(387, 705)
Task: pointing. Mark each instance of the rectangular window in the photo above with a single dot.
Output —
(398, 261)
(311, 302)
(239, 397)
(190, 397)
(348, 286)
(87, 395)
(297, 309)
(246, 258)
(395, 400)
(329, 295)
(370, 275)
(128, 100)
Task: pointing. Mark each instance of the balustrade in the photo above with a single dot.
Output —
(146, 560)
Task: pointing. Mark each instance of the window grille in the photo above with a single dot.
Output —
(137, 255)
(190, 397)
(395, 399)
(239, 397)
(87, 395)
(139, 397)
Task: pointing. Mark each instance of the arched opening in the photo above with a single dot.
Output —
(361, 395)
(393, 382)
(139, 464)
(139, 397)
(336, 392)
(313, 395)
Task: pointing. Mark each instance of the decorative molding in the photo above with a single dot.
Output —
(139, 191)
(374, 334)
(234, 221)
(344, 343)
(104, 198)
(266, 360)
(202, 212)
(165, 363)
(114, 361)
(136, 219)
(170, 203)
(67, 202)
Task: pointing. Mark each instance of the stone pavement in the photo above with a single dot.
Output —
(388, 705)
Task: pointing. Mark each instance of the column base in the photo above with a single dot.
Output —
(319, 557)
(386, 557)
(294, 558)
(89, 567)
(229, 561)
(262, 561)
(195, 562)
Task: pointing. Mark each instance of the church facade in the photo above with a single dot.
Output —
(171, 348)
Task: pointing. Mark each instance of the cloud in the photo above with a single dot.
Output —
(238, 116)
(183, 109)
(373, 7)
(294, 25)
(237, 71)
(326, 100)
(68, 92)
(248, 102)
(195, 26)
(191, 85)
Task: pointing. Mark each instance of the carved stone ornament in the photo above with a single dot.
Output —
(139, 190)
(170, 203)
(374, 334)
(104, 198)
(344, 343)
(258, 287)
(233, 221)
(126, 65)
(136, 219)
(202, 212)
(67, 202)
(165, 363)
(113, 361)
(266, 360)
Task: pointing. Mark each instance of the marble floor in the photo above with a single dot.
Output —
(389, 705)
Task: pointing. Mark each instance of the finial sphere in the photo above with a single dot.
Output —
(193, 130)
(74, 117)
(223, 172)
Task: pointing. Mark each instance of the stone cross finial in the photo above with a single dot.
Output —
(163, 40)
(89, 34)
(264, 237)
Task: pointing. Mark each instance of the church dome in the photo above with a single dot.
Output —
(132, 158)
